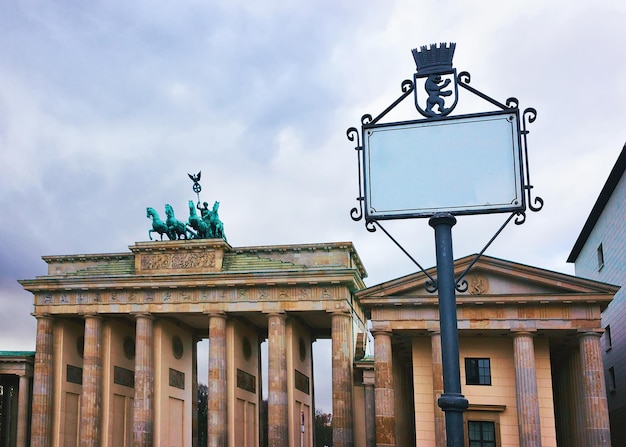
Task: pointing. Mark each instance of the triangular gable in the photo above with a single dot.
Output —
(494, 277)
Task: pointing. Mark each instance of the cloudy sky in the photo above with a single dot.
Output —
(106, 106)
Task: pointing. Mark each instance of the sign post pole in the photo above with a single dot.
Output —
(452, 402)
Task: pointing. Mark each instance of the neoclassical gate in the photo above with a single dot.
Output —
(116, 358)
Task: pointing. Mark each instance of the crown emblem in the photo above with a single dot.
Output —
(434, 59)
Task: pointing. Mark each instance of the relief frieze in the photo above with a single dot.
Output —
(124, 377)
(302, 382)
(178, 261)
(477, 284)
(246, 381)
(304, 293)
(185, 295)
(74, 374)
(177, 379)
(263, 294)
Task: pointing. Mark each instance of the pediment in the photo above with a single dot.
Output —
(496, 278)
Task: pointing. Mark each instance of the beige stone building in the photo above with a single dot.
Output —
(531, 360)
(116, 355)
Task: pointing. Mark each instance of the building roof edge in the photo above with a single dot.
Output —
(598, 207)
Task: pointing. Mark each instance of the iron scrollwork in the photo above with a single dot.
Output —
(438, 98)
(353, 134)
(535, 204)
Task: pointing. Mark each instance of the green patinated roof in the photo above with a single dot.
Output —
(233, 262)
(118, 267)
(17, 353)
(238, 262)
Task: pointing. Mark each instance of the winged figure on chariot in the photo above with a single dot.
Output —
(207, 225)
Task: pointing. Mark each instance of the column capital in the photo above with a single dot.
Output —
(138, 315)
(216, 315)
(376, 332)
(381, 326)
(340, 312)
(91, 315)
(523, 332)
(281, 314)
(590, 333)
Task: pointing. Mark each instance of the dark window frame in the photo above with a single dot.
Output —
(611, 380)
(607, 338)
(483, 440)
(600, 252)
(478, 371)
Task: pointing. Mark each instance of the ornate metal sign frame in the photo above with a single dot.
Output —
(469, 164)
(434, 66)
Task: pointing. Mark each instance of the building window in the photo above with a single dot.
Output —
(611, 378)
(600, 251)
(477, 371)
(607, 338)
(481, 434)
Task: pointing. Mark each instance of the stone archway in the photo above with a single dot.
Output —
(162, 297)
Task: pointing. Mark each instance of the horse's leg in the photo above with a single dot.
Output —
(150, 234)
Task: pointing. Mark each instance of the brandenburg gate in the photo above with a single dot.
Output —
(116, 357)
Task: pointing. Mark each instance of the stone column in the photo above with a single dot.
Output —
(277, 405)
(440, 417)
(529, 423)
(370, 408)
(22, 411)
(91, 398)
(218, 391)
(41, 420)
(143, 410)
(342, 379)
(576, 413)
(384, 393)
(594, 391)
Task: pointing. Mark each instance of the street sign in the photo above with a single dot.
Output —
(462, 165)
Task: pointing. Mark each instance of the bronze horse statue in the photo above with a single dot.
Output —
(176, 229)
(209, 226)
(158, 226)
(216, 225)
(197, 223)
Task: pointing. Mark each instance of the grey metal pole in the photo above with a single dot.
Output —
(452, 402)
